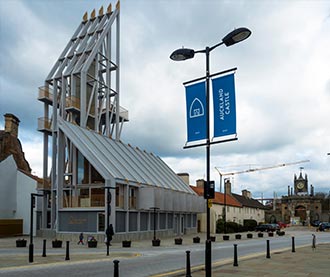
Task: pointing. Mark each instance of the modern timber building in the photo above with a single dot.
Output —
(95, 178)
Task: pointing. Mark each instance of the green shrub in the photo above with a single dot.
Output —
(250, 224)
(231, 227)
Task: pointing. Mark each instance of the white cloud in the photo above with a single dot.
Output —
(282, 81)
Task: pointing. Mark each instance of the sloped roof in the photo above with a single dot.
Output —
(248, 202)
(114, 159)
(219, 198)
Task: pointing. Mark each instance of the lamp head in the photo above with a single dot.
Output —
(236, 36)
(182, 54)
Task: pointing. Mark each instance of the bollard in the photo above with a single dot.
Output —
(188, 271)
(31, 252)
(268, 250)
(235, 255)
(293, 246)
(116, 268)
(67, 256)
(44, 249)
(313, 242)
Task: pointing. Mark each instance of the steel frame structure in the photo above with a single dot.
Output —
(81, 88)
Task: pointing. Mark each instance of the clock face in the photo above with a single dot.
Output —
(300, 185)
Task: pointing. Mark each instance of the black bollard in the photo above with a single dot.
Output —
(31, 252)
(268, 250)
(293, 246)
(235, 255)
(188, 271)
(67, 256)
(116, 268)
(44, 248)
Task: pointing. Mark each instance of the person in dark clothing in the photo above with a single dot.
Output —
(81, 239)
(109, 232)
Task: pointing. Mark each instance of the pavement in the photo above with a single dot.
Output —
(305, 261)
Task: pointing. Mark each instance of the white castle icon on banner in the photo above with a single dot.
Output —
(196, 108)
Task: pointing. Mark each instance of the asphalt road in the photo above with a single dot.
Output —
(153, 260)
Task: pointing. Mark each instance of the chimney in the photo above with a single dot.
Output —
(246, 193)
(184, 177)
(288, 190)
(228, 186)
(11, 124)
(200, 183)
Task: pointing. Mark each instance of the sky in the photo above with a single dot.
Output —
(282, 81)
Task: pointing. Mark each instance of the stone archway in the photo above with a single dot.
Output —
(300, 211)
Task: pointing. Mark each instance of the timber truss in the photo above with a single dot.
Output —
(84, 82)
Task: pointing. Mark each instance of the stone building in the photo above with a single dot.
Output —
(16, 182)
(10, 144)
(300, 206)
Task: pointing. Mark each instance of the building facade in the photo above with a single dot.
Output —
(300, 206)
(95, 178)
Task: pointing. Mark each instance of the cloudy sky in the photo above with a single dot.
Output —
(282, 81)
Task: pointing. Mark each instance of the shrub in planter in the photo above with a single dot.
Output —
(249, 236)
(21, 243)
(57, 243)
(225, 237)
(260, 235)
(91, 242)
(178, 241)
(270, 234)
(156, 242)
(212, 238)
(196, 239)
(126, 243)
(280, 233)
(238, 236)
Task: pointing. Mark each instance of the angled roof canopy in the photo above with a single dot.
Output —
(114, 159)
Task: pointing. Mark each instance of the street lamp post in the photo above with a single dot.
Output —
(31, 246)
(182, 54)
(154, 208)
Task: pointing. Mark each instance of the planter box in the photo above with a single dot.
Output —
(196, 239)
(126, 243)
(212, 238)
(260, 235)
(92, 244)
(249, 236)
(238, 236)
(280, 233)
(156, 242)
(225, 237)
(178, 241)
(21, 243)
(270, 234)
(57, 243)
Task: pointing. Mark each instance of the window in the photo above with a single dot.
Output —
(101, 222)
(144, 221)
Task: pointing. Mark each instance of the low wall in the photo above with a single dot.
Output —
(133, 236)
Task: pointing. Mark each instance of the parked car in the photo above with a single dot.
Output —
(315, 223)
(282, 224)
(324, 226)
(266, 227)
(276, 226)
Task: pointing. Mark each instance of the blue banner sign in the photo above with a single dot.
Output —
(196, 111)
(224, 106)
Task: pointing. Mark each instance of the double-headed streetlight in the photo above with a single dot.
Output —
(182, 54)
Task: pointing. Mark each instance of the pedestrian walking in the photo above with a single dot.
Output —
(109, 234)
(81, 239)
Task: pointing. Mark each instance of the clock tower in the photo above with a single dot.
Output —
(300, 184)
